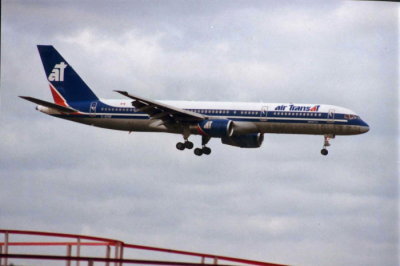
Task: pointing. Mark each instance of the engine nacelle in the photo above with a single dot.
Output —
(217, 128)
(244, 141)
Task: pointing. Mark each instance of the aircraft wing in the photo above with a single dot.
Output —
(165, 112)
(57, 107)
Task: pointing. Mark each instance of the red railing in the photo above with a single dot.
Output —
(118, 247)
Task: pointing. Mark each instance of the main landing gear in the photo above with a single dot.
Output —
(198, 151)
(184, 145)
(187, 144)
(204, 149)
(327, 138)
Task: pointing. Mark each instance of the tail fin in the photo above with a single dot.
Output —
(65, 84)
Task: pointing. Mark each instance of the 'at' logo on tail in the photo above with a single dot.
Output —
(57, 74)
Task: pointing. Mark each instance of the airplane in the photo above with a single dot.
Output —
(238, 124)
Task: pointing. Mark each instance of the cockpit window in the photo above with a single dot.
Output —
(351, 117)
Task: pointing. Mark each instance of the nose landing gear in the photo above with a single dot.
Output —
(324, 152)
(327, 138)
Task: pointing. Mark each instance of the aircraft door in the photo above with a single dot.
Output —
(264, 113)
(331, 116)
(92, 110)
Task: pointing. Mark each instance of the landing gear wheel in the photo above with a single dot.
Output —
(188, 145)
(198, 151)
(324, 152)
(206, 150)
(180, 146)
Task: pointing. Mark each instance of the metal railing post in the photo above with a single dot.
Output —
(6, 247)
(69, 250)
(116, 254)
(108, 251)
(78, 251)
(215, 260)
(121, 253)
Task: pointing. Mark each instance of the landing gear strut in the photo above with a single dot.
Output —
(327, 138)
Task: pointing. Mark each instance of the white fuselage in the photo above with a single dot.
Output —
(254, 117)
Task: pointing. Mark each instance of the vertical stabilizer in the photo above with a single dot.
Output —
(65, 84)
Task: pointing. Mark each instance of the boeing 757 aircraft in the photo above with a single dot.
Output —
(235, 123)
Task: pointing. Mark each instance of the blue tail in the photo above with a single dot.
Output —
(66, 85)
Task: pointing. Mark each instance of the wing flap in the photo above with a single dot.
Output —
(165, 112)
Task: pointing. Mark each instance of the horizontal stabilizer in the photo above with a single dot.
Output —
(57, 107)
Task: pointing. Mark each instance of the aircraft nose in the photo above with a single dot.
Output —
(364, 128)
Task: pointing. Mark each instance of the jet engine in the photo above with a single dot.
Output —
(244, 141)
(217, 128)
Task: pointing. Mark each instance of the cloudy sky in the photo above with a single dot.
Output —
(283, 202)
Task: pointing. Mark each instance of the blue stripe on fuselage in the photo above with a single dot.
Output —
(107, 111)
